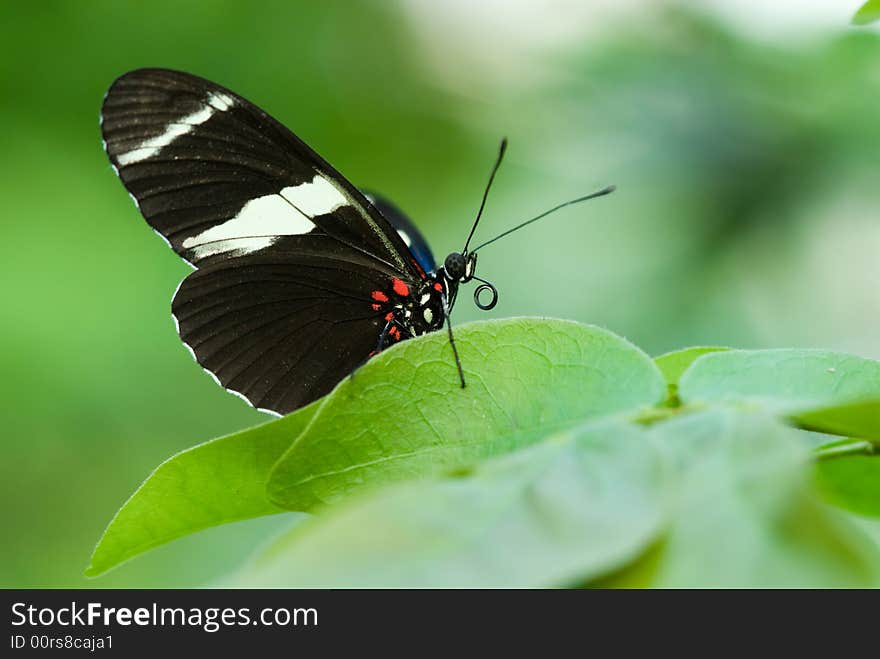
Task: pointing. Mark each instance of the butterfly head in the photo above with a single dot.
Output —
(459, 268)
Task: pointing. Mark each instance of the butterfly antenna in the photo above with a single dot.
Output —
(501, 151)
(600, 193)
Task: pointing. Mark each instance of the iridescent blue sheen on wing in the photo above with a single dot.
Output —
(410, 233)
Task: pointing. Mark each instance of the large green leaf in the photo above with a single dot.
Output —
(569, 508)
(673, 365)
(785, 381)
(743, 515)
(223, 480)
(746, 516)
(404, 413)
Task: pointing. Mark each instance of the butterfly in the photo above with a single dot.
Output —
(299, 277)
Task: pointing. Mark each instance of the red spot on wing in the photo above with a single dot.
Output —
(389, 315)
(438, 286)
(395, 333)
(376, 307)
(380, 296)
(400, 287)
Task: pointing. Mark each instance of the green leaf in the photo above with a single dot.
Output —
(639, 573)
(220, 481)
(784, 381)
(575, 506)
(673, 364)
(746, 516)
(851, 482)
(869, 13)
(404, 414)
(861, 420)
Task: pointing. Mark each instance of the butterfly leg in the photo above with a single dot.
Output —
(380, 346)
(383, 335)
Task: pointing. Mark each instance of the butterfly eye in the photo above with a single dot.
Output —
(455, 266)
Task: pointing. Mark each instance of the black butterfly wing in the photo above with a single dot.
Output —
(288, 253)
(280, 327)
(215, 175)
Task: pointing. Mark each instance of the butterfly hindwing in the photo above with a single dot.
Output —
(406, 229)
(280, 328)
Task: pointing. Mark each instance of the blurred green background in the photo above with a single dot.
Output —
(745, 147)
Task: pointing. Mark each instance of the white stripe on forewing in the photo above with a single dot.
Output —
(232, 246)
(216, 101)
(257, 225)
(261, 220)
(316, 197)
(221, 101)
